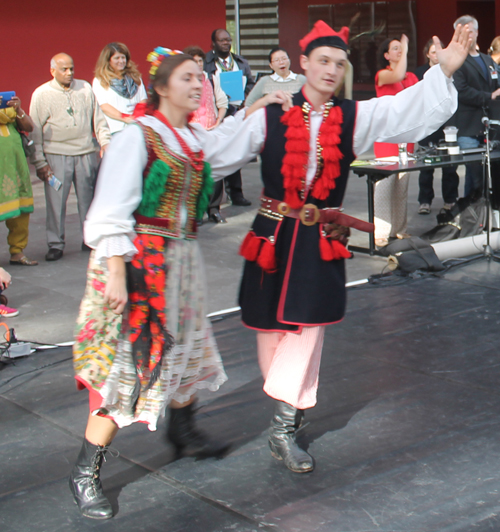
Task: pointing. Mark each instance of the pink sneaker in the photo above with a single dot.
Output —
(7, 312)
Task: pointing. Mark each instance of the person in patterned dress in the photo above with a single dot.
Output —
(143, 342)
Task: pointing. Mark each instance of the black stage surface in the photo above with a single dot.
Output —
(406, 434)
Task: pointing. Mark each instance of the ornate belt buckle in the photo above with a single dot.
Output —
(309, 214)
(283, 208)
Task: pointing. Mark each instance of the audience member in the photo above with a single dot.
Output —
(282, 79)
(16, 195)
(66, 114)
(212, 110)
(449, 179)
(391, 193)
(494, 50)
(221, 59)
(117, 85)
(477, 85)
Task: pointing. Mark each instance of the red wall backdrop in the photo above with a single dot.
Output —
(82, 29)
(434, 17)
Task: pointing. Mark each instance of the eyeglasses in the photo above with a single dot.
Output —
(280, 60)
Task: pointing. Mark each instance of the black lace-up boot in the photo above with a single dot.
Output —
(85, 482)
(287, 419)
(187, 439)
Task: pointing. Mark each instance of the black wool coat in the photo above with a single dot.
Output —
(305, 290)
(474, 96)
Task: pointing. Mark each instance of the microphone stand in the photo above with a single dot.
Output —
(487, 185)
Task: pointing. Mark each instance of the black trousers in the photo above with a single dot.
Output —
(216, 198)
(449, 185)
(234, 185)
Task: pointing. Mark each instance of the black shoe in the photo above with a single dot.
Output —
(187, 439)
(85, 482)
(54, 254)
(85, 247)
(284, 425)
(240, 201)
(217, 218)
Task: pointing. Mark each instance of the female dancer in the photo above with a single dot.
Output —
(391, 193)
(153, 183)
(117, 85)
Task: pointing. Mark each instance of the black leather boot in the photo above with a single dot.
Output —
(85, 482)
(287, 419)
(187, 439)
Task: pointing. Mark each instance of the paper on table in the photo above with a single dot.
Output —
(232, 84)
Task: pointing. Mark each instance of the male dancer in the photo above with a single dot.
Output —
(294, 280)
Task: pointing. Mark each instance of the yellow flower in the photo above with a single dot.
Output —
(8, 186)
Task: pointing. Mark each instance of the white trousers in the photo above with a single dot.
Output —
(391, 205)
(290, 364)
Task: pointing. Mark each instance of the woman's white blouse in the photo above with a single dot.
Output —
(124, 105)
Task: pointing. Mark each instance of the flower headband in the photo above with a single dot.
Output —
(155, 58)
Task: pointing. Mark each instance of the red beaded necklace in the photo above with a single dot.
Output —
(196, 159)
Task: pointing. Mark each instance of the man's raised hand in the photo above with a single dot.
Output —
(453, 56)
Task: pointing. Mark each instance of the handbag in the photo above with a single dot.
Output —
(411, 254)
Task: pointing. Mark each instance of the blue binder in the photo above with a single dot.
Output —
(232, 84)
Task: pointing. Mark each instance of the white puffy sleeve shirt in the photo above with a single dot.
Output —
(109, 228)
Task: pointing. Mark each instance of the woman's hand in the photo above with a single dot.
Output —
(453, 56)
(24, 121)
(15, 103)
(115, 294)
(5, 279)
(281, 97)
(215, 125)
(404, 43)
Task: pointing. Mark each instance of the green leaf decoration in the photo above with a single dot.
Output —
(154, 187)
(206, 192)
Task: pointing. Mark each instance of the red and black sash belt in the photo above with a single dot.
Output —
(310, 214)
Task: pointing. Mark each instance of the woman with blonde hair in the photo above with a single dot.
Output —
(494, 50)
(117, 85)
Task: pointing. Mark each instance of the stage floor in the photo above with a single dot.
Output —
(406, 434)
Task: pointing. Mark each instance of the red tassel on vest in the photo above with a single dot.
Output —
(339, 250)
(250, 247)
(325, 249)
(267, 257)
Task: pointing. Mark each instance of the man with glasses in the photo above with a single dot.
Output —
(221, 59)
(282, 79)
(66, 114)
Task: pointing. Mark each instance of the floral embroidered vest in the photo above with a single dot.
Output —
(174, 195)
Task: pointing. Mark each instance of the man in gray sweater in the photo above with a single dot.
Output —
(66, 114)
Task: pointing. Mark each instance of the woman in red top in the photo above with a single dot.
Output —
(391, 193)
